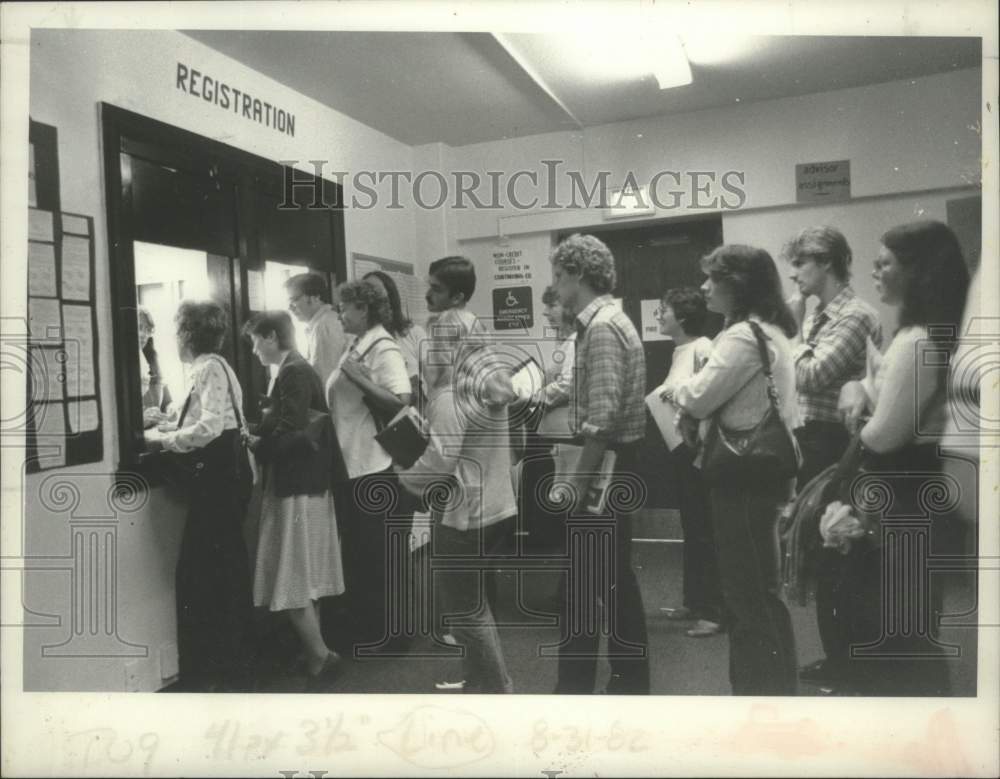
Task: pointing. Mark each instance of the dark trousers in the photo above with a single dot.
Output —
(823, 444)
(363, 507)
(702, 591)
(605, 575)
(761, 644)
(546, 529)
(214, 595)
(893, 605)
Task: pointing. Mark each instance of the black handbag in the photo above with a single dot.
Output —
(379, 415)
(765, 451)
(193, 471)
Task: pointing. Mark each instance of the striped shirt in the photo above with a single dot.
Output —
(609, 376)
(834, 352)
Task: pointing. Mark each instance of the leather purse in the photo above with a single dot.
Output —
(192, 471)
(765, 451)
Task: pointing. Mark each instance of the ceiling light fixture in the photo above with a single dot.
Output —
(669, 64)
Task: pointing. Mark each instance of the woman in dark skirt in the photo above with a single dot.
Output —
(214, 607)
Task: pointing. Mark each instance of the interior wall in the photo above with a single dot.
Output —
(862, 222)
(912, 145)
(72, 71)
(902, 136)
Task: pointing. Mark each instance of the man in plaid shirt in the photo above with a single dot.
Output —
(607, 411)
(833, 351)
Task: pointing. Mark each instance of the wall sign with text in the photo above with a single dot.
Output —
(817, 182)
(513, 308)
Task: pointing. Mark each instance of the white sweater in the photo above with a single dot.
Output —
(470, 441)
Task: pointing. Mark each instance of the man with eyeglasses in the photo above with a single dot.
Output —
(325, 339)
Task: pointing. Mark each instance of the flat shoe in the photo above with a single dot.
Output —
(704, 629)
(331, 661)
(678, 614)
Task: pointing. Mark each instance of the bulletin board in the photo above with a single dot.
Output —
(63, 424)
(411, 289)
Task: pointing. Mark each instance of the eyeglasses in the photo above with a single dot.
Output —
(295, 299)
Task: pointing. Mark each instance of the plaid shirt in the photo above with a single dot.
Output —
(833, 353)
(609, 376)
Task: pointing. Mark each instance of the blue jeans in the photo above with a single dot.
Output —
(468, 601)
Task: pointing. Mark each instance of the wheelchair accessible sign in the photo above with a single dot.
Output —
(512, 308)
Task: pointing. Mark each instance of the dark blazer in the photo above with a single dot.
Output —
(300, 466)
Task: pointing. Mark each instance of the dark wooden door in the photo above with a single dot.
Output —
(651, 259)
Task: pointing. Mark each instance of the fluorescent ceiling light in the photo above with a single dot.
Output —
(613, 56)
(669, 64)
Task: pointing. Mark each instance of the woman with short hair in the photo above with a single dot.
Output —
(681, 316)
(214, 606)
(368, 387)
(732, 390)
(298, 552)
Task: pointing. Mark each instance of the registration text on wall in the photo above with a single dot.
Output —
(230, 98)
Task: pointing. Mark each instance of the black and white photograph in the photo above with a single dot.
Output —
(500, 389)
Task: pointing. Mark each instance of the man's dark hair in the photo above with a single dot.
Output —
(457, 274)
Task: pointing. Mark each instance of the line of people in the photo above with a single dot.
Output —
(328, 486)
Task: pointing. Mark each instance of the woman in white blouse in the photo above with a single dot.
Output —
(743, 285)
(214, 596)
(370, 380)
(919, 270)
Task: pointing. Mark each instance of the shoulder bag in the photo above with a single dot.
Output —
(193, 471)
(379, 415)
(765, 451)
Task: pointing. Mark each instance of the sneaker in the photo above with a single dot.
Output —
(450, 686)
(820, 672)
(683, 613)
(703, 629)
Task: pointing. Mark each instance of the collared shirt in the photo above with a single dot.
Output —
(274, 370)
(351, 416)
(209, 409)
(833, 354)
(609, 377)
(732, 386)
(325, 341)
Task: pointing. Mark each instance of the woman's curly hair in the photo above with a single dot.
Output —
(201, 326)
(372, 297)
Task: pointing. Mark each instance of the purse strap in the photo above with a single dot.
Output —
(765, 359)
(240, 421)
(373, 344)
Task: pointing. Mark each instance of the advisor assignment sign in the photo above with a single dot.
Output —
(817, 182)
(512, 308)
